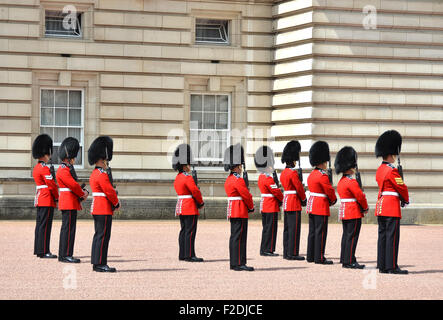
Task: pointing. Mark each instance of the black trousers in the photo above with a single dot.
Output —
(388, 239)
(349, 239)
(100, 242)
(291, 233)
(186, 237)
(237, 241)
(318, 231)
(67, 233)
(269, 232)
(43, 227)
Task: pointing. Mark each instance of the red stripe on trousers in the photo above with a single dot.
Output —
(272, 235)
(239, 243)
(393, 248)
(295, 236)
(104, 234)
(322, 232)
(69, 234)
(190, 238)
(46, 228)
(352, 243)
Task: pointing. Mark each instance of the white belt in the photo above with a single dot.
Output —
(267, 195)
(322, 195)
(290, 192)
(41, 187)
(64, 189)
(186, 196)
(98, 194)
(234, 198)
(348, 200)
(390, 193)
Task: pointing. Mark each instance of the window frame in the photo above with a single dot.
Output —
(80, 36)
(228, 130)
(228, 33)
(82, 118)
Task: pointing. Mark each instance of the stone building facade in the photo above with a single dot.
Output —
(154, 73)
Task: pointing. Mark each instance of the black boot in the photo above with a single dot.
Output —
(398, 271)
(103, 268)
(69, 259)
(48, 255)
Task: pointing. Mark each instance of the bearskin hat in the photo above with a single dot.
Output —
(69, 148)
(388, 143)
(234, 156)
(346, 159)
(101, 148)
(182, 155)
(264, 157)
(291, 152)
(319, 153)
(42, 145)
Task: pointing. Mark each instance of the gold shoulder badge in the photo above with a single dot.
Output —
(399, 181)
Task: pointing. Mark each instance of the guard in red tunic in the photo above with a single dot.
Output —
(71, 196)
(353, 206)
(189, 200)
(104, 203)
(393, 194)
(46, 195)
(271, 199)
(293, 200)
(321, 197)
(240, 204)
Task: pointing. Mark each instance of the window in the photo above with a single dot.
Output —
(61, 116)
(209, 127)
(212, 31)
(60, 24)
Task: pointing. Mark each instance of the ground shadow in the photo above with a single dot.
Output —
(125, 260)
(151, 270)
(426, 271)
(82, 257)
(216, 260)
(279, 268)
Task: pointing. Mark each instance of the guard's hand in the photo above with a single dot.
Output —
(304, 203)
(201, 205)
(85, 194)
(251, 210)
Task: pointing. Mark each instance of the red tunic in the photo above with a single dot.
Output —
(104, 194)
(352, 199)
(271, 195)
(322, 194)
(239, 197)
(294, 191)
(46, 191)
(391, 186)
(188, 193)
(70, 190)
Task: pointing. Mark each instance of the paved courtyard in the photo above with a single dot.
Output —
(145, 254)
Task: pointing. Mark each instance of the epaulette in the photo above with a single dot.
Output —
(235, 174)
